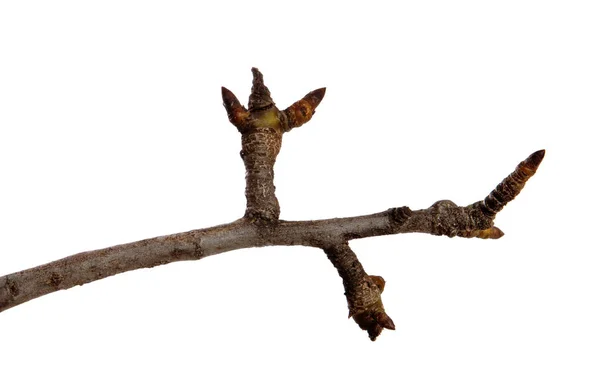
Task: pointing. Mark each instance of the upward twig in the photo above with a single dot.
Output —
(262, 126)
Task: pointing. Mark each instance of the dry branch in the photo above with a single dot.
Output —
(262, 126)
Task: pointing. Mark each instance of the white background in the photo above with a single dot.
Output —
(112, 130)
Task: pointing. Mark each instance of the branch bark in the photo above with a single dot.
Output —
(262, 126)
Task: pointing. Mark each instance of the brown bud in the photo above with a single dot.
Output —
(373, 319)
(512, 185)
(373, 322)
(300, 112)
(236, 113)
(489, 233)
(374, 331)
(260, 96)
(385, 321)
(534, 160)
(379, 281)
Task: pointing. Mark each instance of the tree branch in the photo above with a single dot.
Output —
(261, 227)
(442, 218)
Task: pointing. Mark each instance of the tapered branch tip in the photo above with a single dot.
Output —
(535, 159)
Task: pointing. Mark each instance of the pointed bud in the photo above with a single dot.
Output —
(236, 113)
(301, 112)
(385, 321)
(535, 159)
(315, 97)
(512, 185)
(373, 319)
(260, 97)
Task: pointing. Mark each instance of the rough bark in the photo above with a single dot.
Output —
(262, 126)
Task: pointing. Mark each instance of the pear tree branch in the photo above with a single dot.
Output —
(262, 126)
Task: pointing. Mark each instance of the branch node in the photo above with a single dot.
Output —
(399, 215)
(12, 287)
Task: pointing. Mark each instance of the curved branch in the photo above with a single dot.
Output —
(442, 218)
(262, 126)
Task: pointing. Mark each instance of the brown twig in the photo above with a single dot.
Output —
(262, 126)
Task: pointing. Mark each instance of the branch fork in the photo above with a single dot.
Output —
(262, 126)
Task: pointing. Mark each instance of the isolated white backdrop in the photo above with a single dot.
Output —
(112, 130)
